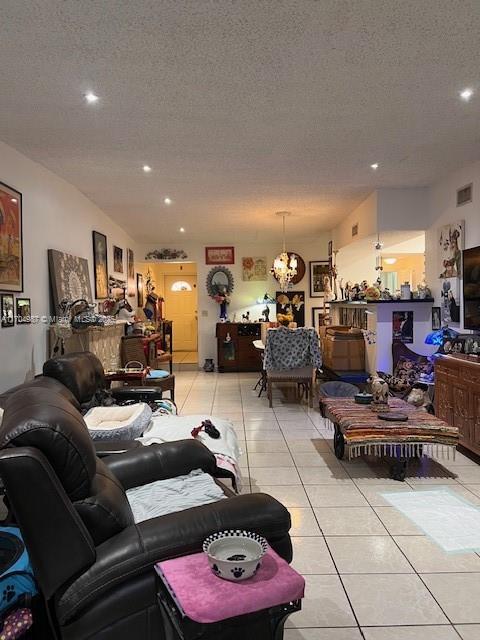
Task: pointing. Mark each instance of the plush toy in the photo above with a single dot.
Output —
(379, 389)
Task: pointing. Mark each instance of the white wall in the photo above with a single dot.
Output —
(245, 293)
(401, 209)
(55, 216)
(365, 215)
(443, 210)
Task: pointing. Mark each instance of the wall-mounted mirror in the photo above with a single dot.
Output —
(219, 280)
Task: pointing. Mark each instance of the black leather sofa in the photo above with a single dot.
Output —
(93, 564)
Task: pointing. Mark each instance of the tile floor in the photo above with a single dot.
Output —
(370, 572)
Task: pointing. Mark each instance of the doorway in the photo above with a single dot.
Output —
(180, 294)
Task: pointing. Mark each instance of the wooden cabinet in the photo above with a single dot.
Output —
(235, 350)
(457, 397)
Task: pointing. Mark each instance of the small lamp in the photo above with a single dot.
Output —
(437, 337)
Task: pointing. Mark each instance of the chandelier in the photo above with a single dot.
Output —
(284, 267)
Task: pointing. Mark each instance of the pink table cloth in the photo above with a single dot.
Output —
(204, 598)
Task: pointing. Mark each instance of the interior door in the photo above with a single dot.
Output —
(181, 307)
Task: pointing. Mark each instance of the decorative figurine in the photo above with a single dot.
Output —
(380, 395)
(246, 316)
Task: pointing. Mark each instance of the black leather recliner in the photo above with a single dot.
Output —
(93, 564)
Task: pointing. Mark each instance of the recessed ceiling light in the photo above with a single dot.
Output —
(374, 166)
(182, 230)
(14, 200)
(466, 94)
(147, 168)
(167, 201)
(91, 97)
(390, 260)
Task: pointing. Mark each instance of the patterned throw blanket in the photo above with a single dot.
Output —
(291, 349)
(364, 432)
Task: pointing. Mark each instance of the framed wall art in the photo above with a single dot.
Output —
(11, 240)
(8, 310)
(23, 310)
(219, 255)
(436, 318)
(450, 301)
(140, 291)
(100, 264)
(320, 316)
(402, 326)
(131, 284)
(117, 259)
(319, 270)
(294, 302)
(254, 268)
(69, 278)
(450, 246)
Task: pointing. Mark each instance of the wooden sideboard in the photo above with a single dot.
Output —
(457, 397)
(238, 353)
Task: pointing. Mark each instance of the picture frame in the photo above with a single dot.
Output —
(318, 269)
(219, 255)
(402, 326)
(330, 248)
(100, 264)
(436, 318)
(140, 291)
(131, 284)
(23, 308)
(7, 310)
(11, 239)
(69, 278)
(450, 246)
(117, 259)
(293, 301)
(320, 317)
(254, 268)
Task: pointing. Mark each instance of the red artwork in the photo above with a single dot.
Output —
(219, 255)
(11, 250)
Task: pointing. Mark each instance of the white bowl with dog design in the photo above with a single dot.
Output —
(235, 555)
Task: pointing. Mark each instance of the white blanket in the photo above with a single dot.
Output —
(170, 428)
(175, 494)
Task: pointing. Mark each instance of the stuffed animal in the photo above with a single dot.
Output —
(419, 397)
(380, 392)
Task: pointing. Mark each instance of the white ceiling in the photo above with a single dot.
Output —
(242, 108)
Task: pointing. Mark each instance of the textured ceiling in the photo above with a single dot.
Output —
(242, 108)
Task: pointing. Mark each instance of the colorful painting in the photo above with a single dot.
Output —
(219, 255)
(140, 291)
(319, 270)
(131, 285)
(24, 311)
(450, 301)
(117, 259)
(100, 265)
(8, 311)
(11, 245)
(292, 302)
(450, 246)
(254, 268)
(69, 278)
(402, 326)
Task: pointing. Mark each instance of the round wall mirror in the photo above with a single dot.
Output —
(219, 280)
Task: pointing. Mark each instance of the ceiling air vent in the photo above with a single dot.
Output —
(464, 195)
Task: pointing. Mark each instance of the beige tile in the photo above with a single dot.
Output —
(270, 460)
(261, 423)
(367, 554)
(289, 495)
(324, 605)
(396, 522)
(311, 556)
(468, 475)
(323, 634)
(351, 521)
(373, 493)
(335, 496)
(267, 446)
(309, 446)
(300, 434)
(317, 459)
(304, 522)
(428, 557)
(438, 632)
(264, 434)
(274, 476)
(473, 488)
(324, 475)
(468, 631)
(386, 600)
(457, 593)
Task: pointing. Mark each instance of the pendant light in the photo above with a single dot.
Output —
(284, 267)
